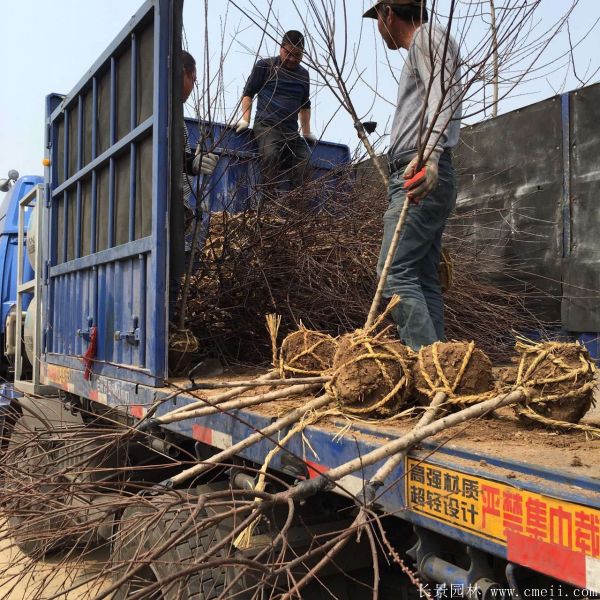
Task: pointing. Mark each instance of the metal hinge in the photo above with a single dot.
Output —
(133, 336)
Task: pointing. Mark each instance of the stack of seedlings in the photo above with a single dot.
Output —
(318, 267)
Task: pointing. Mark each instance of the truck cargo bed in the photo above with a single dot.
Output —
(503, 436)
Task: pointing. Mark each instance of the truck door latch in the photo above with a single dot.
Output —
(131, 337)
(86, 333)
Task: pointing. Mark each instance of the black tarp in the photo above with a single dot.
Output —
(581, 269)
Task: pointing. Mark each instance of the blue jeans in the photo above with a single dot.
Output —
(413, 273)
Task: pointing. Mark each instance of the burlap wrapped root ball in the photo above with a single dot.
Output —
(372, 377)
(559, 378)
(459, 369)
(306, 353)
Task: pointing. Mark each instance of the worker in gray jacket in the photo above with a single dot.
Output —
(427, 117)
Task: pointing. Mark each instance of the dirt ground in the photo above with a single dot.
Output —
(23, 579)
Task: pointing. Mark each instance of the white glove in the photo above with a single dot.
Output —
(205, 163)
(310, 138)
(425, 181)
(242, 125)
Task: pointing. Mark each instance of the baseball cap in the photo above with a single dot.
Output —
(372, 12)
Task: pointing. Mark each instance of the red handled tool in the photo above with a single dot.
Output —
(415, 178)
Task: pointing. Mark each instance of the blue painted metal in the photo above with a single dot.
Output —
(7, 395)
(144, 13)
(121, 288)
(548, 475)
(592, 342)
(451, 450)
(156, 353)
(104, 158)
(237, 173)
(565, 100)
(132, 126)
(9, 214)
(436, 569)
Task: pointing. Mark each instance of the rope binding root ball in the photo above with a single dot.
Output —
(306, 353)
(182, 346)
(458, 369)
(372, 375)
(559, 380)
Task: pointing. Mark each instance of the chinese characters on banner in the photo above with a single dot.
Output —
(495, 510)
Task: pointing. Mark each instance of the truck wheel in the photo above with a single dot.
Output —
(53, 497)
(148, 525)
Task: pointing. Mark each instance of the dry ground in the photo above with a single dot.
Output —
(22, 579)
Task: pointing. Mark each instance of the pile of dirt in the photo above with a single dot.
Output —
(457, 368)
(306, 353)
(372, 376)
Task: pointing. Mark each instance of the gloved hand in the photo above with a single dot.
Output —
(205, 163)
(242, 125)
(426, 181)
(311, 138)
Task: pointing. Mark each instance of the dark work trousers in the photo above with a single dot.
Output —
(284, 155)
(413, 273)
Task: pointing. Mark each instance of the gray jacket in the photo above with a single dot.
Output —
(426, 87)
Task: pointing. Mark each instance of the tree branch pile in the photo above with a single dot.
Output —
(318, 266)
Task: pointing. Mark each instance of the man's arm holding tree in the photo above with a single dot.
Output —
(304, 115)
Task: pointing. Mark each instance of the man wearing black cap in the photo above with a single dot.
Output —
(427, 117)
(282, 88)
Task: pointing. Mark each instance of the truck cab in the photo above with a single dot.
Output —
(9, 217)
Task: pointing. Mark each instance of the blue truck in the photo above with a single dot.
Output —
(15, 189)
(497, 510)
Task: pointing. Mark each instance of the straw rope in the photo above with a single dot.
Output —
(551, 351)
(244, 539)
(289, 365)
(391, 355)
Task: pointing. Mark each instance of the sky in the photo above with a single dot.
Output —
(48, 46)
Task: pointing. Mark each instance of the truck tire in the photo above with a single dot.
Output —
(146, 526)
(51, 497)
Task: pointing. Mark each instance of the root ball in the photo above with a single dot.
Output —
(563, 373)
(306, 353)
(372, 376)
(457, 368)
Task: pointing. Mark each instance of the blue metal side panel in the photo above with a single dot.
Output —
(116, 287)
(592, 342)
(237, 174)
(157, 282)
